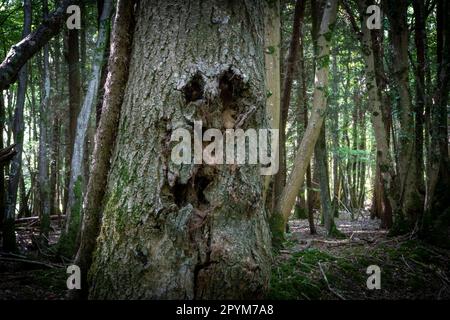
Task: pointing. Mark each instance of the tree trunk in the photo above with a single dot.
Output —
(280, 177)
(437, 218)
(44, 125)
(410, 177)
(2, 164)
(68, 240)
(9, 237)
(320, 153)
(191, 231)
(384, 160)
(105, 138)
(75, 94)
(272, 43)
(312, 132)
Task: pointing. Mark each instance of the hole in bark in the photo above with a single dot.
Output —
(193, 91)
(202, 184)
(231, 87)
(193, 191)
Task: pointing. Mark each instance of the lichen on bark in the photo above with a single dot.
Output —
(185, 231)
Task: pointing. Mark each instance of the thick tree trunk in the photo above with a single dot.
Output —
(9, 237)
(75, 194)
(312, 132)
(105, 138)
(190, 231)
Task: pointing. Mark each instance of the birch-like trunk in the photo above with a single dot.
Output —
(384, 159)
(75, 196)
(306, 148)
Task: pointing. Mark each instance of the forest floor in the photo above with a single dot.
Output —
(309, 267)
(315, 267)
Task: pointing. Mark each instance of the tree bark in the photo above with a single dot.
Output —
(190, 231)
(116, 80)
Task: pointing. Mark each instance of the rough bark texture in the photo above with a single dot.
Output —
(32, 43)
(185, 231)
(312, 132)
(105, 138)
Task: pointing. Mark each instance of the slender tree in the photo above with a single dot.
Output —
(9, 237)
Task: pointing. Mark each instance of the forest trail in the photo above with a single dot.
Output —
(409, 269)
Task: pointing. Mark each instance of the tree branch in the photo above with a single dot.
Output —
(21, 52)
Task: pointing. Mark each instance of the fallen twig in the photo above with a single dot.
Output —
(328, 284)
(45, 264)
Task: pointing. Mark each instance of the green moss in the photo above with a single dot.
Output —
(277, 227)
(292, 279)
(67, 244)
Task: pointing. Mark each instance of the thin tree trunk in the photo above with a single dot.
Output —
(384, 161)
(411, 178)
(312, 132)
(68, 240)
(44, 125)
(280, 177)
(272, 43)
(105, 137)
(9, 236)
(75, 94)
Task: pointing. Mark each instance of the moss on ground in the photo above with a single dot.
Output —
(409, 270)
